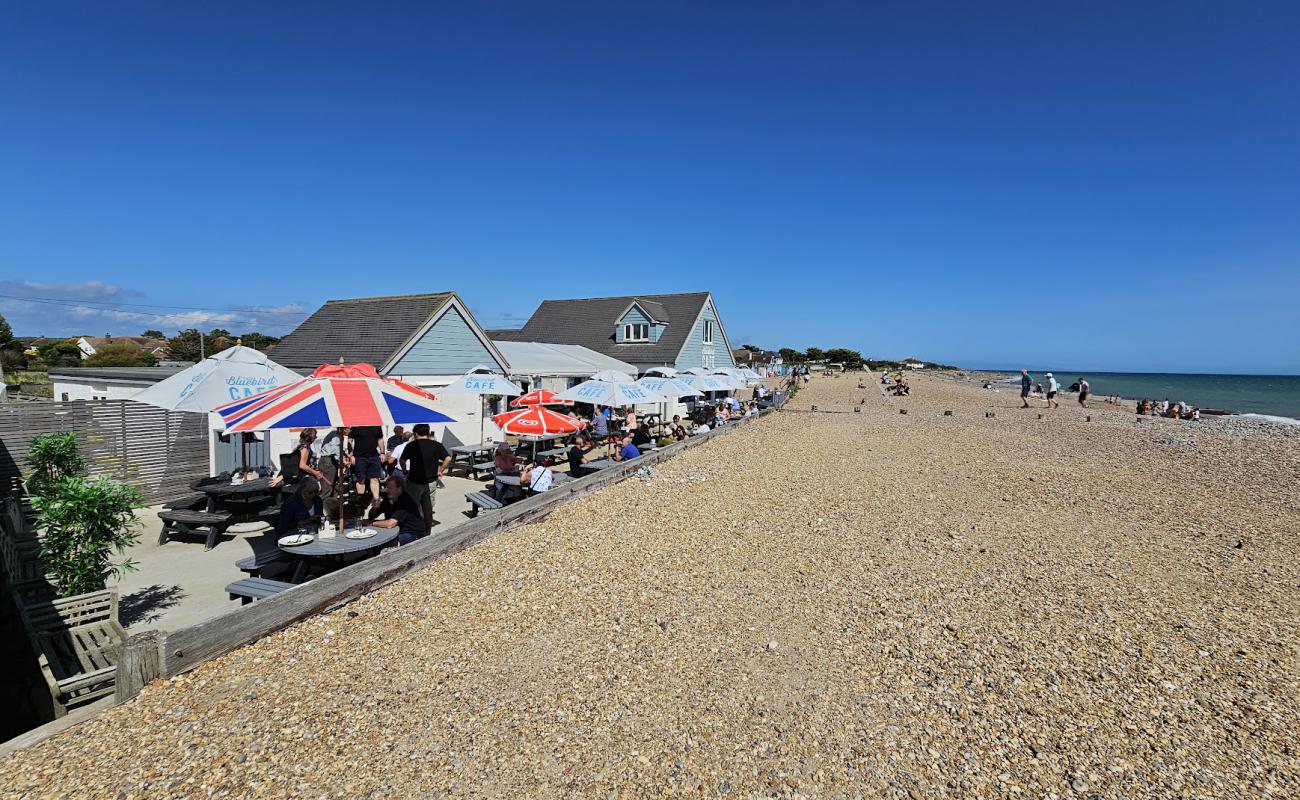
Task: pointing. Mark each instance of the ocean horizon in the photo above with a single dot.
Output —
(1257, 395)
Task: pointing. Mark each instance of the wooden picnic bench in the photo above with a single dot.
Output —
(482, 466)
(481, 501)
(78, 641)
(181, 521)
(190, 502)
(250, 589)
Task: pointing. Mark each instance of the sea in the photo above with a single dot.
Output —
(1267, 396)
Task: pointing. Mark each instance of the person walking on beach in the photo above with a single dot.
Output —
(1026, 384)
(1052, 388)
(1083, 393)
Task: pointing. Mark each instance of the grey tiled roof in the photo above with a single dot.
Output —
(590, 323)
(364, 329)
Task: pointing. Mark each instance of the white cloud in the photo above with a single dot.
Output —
(85, 290)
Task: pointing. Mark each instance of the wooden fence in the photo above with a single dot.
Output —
(159, 452)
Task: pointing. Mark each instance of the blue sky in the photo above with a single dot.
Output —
(1098, 185)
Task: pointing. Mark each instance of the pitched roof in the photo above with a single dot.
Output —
(590, 323)
(139, 341)
(363, 329)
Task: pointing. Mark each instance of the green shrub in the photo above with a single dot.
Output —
(51, 457)
(84, 525)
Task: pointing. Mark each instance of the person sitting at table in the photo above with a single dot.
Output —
(503, 463)
(641, 436)
(678, 430)
(579, 453)
(307, 459)
(400, 510)
(303, 508)
(537, 477)
(599, 425)
(627, 451)
(703, 427)
(629, 422)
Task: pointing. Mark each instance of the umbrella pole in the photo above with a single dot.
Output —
(338, 478)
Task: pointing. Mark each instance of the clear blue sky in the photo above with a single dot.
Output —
(1098, 185)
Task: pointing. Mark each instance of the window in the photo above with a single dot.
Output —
(638, 332)
(706, 360)
(708, 331)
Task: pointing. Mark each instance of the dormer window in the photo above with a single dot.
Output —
(636, 332)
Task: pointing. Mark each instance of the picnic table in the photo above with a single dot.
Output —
(599, 464)
(330, 550)
(238, 497)
(468, 454)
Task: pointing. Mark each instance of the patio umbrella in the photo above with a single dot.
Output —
(540, 397)
(750, 375)
(667, 372)
(335, 396)
(669, 388)
(708, 383)
(482, 381)
(606, 393)
(536, 421)
(695, 371)
(233, 374)
(612, 376)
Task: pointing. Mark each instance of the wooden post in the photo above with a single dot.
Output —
(139, 664)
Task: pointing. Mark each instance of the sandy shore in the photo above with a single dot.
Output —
(821, 605)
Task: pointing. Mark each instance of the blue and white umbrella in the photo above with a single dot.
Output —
(669, 387)
(606, 393)
(483, 383)
(708, 383)
(232, 374)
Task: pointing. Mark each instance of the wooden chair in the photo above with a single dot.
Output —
(78, 641)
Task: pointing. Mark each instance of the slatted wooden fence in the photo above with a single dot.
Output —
(159, 452)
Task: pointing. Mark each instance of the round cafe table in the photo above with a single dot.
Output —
(335, 548)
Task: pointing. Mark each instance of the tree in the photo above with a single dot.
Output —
(259, 341)
(51, 457)
(154, 334)
(751, 348)
(6, 332)
(789, 355)
(190, 345)
(60, 353)
(851, 359)
(121, 355)
(814, 354)
(85, 524)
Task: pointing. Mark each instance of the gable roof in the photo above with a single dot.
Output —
(143, 342)
(363, 329)
(590, 323)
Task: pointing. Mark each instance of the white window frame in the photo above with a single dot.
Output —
(708, 331)
(631, 329)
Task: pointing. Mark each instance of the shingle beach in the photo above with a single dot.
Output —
(820, 604)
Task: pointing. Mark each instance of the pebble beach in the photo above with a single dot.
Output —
(851, 602)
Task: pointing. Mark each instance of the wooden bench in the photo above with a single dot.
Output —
(255, 563)
(190, 502)
(481, 501)
(250, 589)
(191, 522)
(482, 466)
(78, 641)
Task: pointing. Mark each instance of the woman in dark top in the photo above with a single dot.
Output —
(307, 457)
(302, 508)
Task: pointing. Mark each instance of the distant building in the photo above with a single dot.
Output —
(89, 345)
(106, 383)
(912, 363)
(427, 340)
(661, 330)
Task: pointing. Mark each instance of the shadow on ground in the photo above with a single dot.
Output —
(147, 604)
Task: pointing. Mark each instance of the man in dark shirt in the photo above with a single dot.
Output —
(423, 462)
(368, 450)
(401, 511)
(578, 455)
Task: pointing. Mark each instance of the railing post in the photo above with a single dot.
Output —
(140, 663)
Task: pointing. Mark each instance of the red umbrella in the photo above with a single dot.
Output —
(537, 422)
(539, 397)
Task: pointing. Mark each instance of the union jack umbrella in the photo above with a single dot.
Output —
(540, 397)
(537, 421)
(335, 396)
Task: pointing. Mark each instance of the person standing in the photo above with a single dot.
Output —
(1083, 393)
(1026, 384)
(424, 461)
(368, 453)
(1052, 388)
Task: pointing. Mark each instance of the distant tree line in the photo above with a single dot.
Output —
(851, 359)
(40, 353)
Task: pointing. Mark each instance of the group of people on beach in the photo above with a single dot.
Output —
(1179, 410)
(1049, 391)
